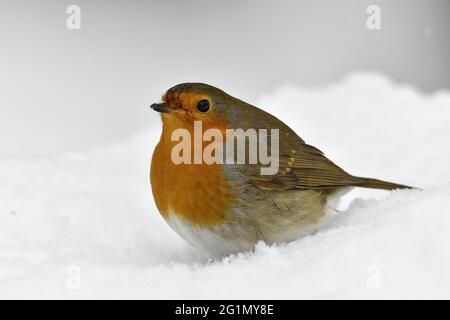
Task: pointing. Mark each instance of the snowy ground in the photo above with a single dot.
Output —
(85, 226)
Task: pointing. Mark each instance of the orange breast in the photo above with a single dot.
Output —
(198, 193)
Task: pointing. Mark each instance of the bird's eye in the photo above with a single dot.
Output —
(203, 105)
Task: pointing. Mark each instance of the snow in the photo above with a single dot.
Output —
(84, 225)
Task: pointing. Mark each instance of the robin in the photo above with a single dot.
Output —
(225, 207)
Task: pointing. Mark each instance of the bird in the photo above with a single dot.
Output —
(226, 208)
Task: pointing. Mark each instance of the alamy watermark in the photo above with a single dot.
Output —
(373, 280)
(230, 148)
(73, 280)
(73, 21)
(373, 21)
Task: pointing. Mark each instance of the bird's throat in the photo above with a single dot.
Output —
(196, 193)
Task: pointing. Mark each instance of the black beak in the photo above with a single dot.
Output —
(160, 107)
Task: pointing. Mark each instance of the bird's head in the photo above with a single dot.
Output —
(188, 102)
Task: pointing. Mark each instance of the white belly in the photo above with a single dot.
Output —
(215, 240)
(269, 216)
(229, 238)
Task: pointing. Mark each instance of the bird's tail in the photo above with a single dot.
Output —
(380, 184)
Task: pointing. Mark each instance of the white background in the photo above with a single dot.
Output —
(66, 90)
(77, 219)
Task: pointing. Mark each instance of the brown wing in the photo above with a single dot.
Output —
(308, 168)
(304, 168)
(301, 166)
